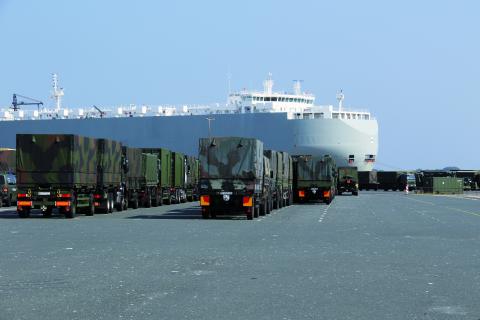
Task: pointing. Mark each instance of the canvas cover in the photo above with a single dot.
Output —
(109, 172)
(231, 158)
(165, 172)
(314, 168)
(272, 158)
(178, 170)
(345, 173)
(56, 160)
(8, 161)
(192, 171)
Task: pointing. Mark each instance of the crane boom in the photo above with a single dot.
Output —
(16, 103)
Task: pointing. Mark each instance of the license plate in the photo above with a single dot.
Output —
(44, 193)
(228, 193)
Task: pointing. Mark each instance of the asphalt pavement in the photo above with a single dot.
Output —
(381, 255)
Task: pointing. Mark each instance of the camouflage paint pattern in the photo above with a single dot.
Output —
(231, 163)
(109, 172)
(345, 173)
(286, 170)
(279, 169)
(56, 160)
(8, 161)
(314, 169)
(272, 158)
(134, 174)
(192, 171)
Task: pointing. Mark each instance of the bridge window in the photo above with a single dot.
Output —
(274, 98)
(268, 98)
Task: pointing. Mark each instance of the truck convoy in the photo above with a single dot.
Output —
(347, 180)
(315, 178)
(73, 173)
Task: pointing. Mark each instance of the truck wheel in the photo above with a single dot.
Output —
(147, 202)
(9, 201)
(355, 193)
(213, 213)
(25, 213)
(249, 216)
(256, 211)
(205, 213)
(119, 206)
(262, 209)
(111, 202)
(91, 207)
(135, 203)
(70, 214)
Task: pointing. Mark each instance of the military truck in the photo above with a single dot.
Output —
(405, 179)
(387, 180)
(111, 167)
(367, 180)
(315, 178)
(8, 185)
(56, 171)
(347, 180)
(164, 173)
(192, 172)
(141, 178)
(8, 160)
(232, 177)
(287, 183)
(275, 159)
(177, 191)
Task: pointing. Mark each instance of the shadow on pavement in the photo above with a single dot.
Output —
(187, 213)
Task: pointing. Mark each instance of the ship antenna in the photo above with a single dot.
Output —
(268, 84)
(57, 92)
(210, 119)
(340, 98)
(297, 87)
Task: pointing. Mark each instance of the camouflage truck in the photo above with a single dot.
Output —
(177, 191)
(232, 176)
(164, 173)
(367, 180)
(347, 180)
(8, 160)
(315, 178)
(287, 185)
(387, 180)
(110, 191)
(141, 183)
(276, 177)
(56, 171)
(192, 173)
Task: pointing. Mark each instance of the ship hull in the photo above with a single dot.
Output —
(339, 138)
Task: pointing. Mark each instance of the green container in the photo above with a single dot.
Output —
(165, 172)
(443, 185)
(178, 168)
(150, 169)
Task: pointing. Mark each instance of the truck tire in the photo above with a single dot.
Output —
(249, 216)
(262, 210)
(355, 193)
(70, 214)
(91, 207)
(111, 202)
(205, 213)
(9, 201)
(147, 202)
(135, 203)
(256, 211)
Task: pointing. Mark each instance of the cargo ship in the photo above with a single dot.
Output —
(290, 122)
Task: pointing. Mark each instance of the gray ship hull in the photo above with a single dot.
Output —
(339, 138)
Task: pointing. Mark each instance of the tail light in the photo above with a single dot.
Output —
(24, 203)
(247, 201)
(348, 181)
(326, 194)
(97, 196)
(5, 189)
(62, 203)
(301, 193)
(204, 200)
(96, 204)
(23, 195)
(64, 195)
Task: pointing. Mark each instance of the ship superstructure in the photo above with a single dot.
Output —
(284, 121)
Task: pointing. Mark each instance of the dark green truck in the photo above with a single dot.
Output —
(315, 178)
(232, 177)
(347, 180)
(56, 171)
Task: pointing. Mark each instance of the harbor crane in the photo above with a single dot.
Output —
(16, 103)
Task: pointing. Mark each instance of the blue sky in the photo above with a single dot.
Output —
(414, 64)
